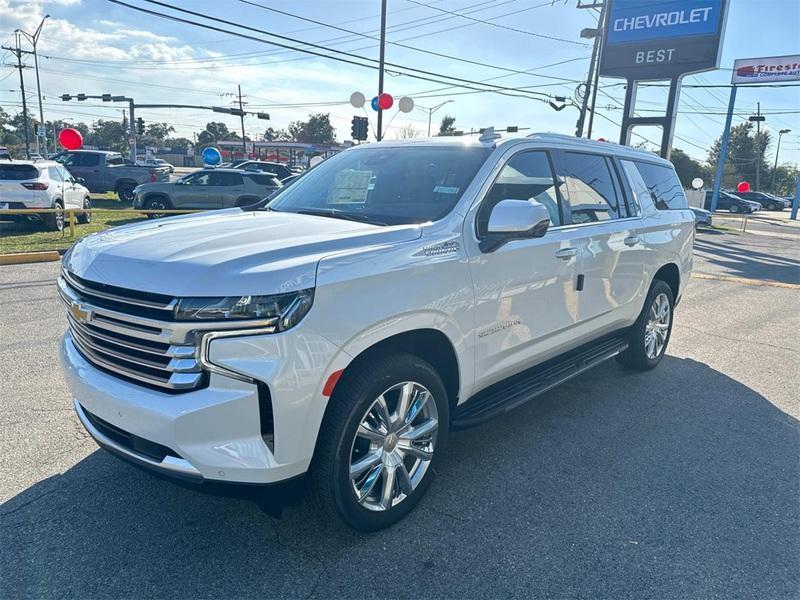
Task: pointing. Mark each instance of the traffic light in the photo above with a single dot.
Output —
(140, 125)
(66, 97)
(359, 128)
(81, 97)
(106, 97)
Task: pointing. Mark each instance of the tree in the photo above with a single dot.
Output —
(317, 130)
(744, 151)
(214, 132)
(447, 126)
(276, 135)
(107, 134)
(159, 131)
(688, 168)
(408, 132)
(785, 180)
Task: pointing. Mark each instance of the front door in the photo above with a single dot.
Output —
(526, 302)
(86, 165)
(197, 191)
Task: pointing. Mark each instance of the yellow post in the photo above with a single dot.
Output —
(72, 223)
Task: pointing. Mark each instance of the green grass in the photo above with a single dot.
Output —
(31, 236)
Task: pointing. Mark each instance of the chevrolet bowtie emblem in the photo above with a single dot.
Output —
(79, 313)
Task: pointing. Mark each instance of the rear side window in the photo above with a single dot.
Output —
(54, 173)
(114, 160)
(591, 188)
(226, 179)
(18, 172)
(663, 185)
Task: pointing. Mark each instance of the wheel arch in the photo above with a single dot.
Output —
(431, 345)
(671, 275)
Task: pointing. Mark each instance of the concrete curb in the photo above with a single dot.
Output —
(20, 258)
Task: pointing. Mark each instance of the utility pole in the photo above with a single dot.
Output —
(594, 62)
(34, 39)
(777, 152)
(379, 133)
(18, 52)
(758, 118)
(241, 116)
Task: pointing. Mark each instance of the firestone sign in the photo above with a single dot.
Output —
(773, 69)
(662, 39)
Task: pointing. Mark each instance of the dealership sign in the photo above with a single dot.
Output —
(661, 39)
(774, 69)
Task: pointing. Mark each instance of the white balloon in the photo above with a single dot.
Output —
(697, 183)
(357, 99)
(405, 104)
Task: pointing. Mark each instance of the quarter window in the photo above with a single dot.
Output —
(54, 173)
(526, 176)
(591, 190)
(663, 185)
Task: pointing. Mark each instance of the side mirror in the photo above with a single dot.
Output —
(515, 220)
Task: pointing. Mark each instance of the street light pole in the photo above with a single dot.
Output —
(432, 110)
(379, 133)
(34, 39)
(18, 52)
(777, 152)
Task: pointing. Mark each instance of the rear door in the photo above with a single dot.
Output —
(230, 186)
(73, 194)
(612, 255)
(57, 186)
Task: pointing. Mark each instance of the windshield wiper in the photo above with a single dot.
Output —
(339, 214)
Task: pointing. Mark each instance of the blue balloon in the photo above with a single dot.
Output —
(211, 156)
(375, 103)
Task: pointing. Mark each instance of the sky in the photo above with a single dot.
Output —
(96, 46)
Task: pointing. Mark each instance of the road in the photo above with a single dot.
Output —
(680, 482)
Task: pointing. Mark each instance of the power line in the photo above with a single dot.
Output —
(426, 75)
(514, 29)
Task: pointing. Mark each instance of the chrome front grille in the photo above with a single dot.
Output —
(119, 331)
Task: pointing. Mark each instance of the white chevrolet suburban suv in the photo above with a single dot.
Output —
(335, 333)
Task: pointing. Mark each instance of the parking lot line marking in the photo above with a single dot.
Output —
(746, 281)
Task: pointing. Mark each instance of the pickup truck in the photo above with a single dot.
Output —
(337, 332)
(109, 171)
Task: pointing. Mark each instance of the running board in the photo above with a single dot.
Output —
(518, 389)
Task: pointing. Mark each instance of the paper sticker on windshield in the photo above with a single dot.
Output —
(443, 189)
(350, 187)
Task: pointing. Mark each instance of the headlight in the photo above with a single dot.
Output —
(289, 308)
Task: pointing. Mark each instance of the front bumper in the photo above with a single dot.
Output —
(215, 433)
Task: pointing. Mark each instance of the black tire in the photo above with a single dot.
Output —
(772, 206)
(55, 221)
(157, 203)
(85, 218)
(734, 208)
(125, 191)
(353, 396)
(636, 356)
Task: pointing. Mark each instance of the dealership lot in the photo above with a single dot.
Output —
(679, 482)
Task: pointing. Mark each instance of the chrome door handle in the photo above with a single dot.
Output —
(566, 253)
(631, 241)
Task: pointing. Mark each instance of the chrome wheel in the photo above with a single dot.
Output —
(393, 446)
(657, 328)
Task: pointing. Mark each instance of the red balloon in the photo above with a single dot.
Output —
(743, 187)
(70, 138)
(385, 101)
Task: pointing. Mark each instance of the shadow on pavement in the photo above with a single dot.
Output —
(742, 261)
(679, 482)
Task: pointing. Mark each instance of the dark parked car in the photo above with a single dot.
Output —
(732, 203)
(767, 201)
(280, 171)
(702, 218)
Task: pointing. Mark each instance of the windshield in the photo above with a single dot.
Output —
(385, 185)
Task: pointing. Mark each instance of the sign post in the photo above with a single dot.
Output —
(660, 40)
(773, 69)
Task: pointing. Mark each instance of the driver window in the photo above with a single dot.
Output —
(525, 176)
(201, 179)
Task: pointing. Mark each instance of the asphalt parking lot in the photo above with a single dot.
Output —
(680, 482)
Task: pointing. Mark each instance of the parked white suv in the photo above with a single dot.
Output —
(42, 184)
(394, 292)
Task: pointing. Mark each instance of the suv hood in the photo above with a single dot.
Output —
(223, 253)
